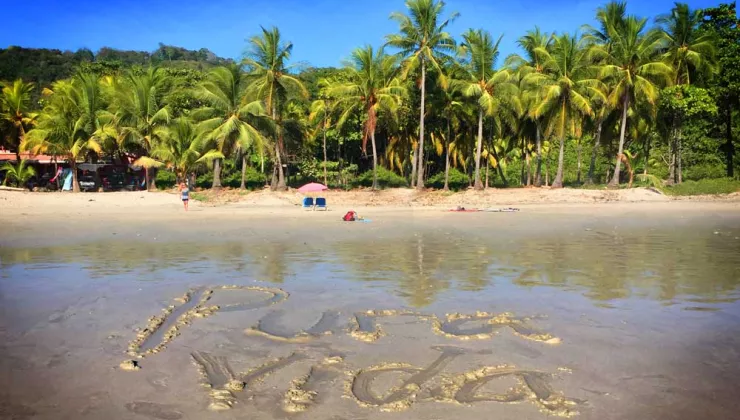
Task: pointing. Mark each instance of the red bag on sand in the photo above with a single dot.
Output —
(350, 216)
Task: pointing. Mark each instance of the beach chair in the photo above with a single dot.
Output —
(321, 203)
(308, 203)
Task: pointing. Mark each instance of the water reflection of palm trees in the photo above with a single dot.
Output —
(663, 266)
(420, 268)
(659, 265)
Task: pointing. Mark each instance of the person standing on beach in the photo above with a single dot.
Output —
(184, 194)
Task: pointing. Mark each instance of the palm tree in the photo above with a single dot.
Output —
(320, 116)
(602, 111)
(451, 107)
(611, 18)
(15, 111)
(67, 124)
(691, 52)
(632, 65)
(566, 86)
(266, 60)
(181, 149)
(532, 62)
(229, 119)
(371, 89)
(423, 40)
(20, 173)
(140, 114)
(488, 86)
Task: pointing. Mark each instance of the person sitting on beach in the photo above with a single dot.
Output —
(185, 194)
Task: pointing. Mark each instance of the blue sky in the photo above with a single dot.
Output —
(323, 31)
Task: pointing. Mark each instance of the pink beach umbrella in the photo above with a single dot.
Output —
(312, 188)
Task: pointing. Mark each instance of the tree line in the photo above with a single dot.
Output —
(630, 97)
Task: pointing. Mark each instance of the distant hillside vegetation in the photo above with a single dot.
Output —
(43, 66)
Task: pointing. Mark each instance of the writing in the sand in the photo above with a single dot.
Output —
(227, 389)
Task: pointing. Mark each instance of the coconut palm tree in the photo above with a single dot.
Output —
(140, 114)
(371, 88)
(422, 40)
(632, 65)
(565, 88)
(451, 108)
(489, 86)
(320, 116)
(269, 79)
(689, 50)
(532, 62)
(182, 149)
(68, 122)
(611, 18)
(15, 111)
(229, 120)
(20, 173)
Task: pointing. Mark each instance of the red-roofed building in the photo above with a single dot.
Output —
(8, 156)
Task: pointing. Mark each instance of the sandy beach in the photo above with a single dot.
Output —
(583, 304)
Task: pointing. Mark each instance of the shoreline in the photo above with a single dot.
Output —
(48, 219)
(397, 198)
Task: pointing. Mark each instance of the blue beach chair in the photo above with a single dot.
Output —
(308, 203)
(321, 203)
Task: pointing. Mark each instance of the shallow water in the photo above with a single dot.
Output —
(604, 323)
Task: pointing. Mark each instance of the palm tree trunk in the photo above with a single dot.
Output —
(525, 164)
(21, 135)
(558, 182)
(538, 171)
(547, 169)
(375, 161)
(578, 173)
(447, 158)
(414, 157)
(146, 178)
(325, 159)
(420, 164)
(485, 186)
(153, 180)
(594, 152)
(281, 175)
(478, 185)
(278, 150)
(622, 130)
(499, 167)
(243, 186)
(647, 155)
(75, 182)
(216, 174)
(679, 147)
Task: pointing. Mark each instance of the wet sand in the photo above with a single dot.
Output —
(595, 311)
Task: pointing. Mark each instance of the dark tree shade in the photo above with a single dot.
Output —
(725, 86)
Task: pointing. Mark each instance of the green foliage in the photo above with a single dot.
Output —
(386, 179)
(686, 101)
(44, 66)
(704, 186)
(19, 174)
(232, 177)
(457, 180)
(165, 179)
